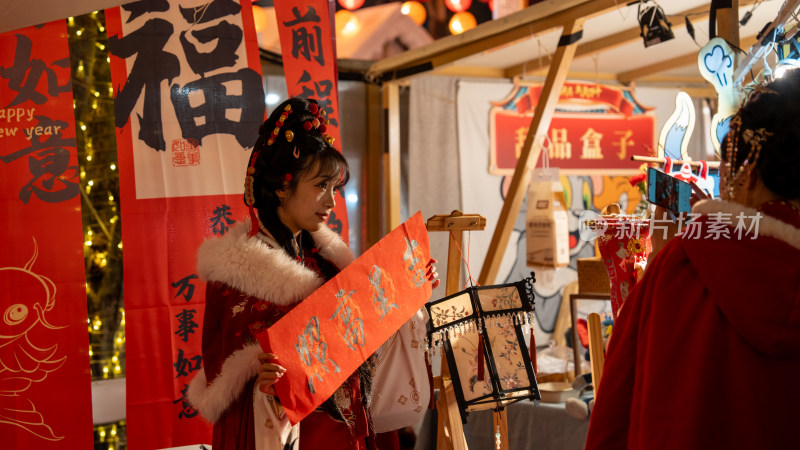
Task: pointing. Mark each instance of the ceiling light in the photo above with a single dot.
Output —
(655, 28)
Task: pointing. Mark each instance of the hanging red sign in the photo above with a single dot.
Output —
(596, 129)
(188, 104)
(333, 331)
(308, 48)
(44, 343)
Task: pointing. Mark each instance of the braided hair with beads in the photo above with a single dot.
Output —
(291, 143)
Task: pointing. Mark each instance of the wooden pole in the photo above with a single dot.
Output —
(596, 353)
(391, 94)
(728, 25)
(539, 125)
(374, 162)
(450, 430)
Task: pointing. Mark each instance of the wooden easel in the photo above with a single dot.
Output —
(450, 431)
(596, 350)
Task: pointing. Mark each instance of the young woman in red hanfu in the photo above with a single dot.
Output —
(258, 272)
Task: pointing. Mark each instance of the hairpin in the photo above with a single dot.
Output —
(279, 124)
(249, 180)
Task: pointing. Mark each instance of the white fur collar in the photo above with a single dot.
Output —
(767, 226)
(211, 400)
(253, 267)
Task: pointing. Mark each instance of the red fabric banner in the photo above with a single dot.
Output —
(579, 143)
(596, 128)
(308, 47)
(333, 331)
(44, 342)
(188, 104)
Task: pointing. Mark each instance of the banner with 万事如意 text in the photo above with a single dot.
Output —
(326, 337)
(308, 48)
(44, 344)
(188, 104)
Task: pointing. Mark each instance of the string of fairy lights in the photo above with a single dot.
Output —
(94, 118)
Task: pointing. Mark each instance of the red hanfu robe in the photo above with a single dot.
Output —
(706, 349)
(252, 283)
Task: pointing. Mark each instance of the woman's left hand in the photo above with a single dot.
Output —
(432, 274)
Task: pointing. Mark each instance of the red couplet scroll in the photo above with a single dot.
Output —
(333, 331)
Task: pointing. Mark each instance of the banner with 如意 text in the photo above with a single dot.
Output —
(44, 343)
(188, 104)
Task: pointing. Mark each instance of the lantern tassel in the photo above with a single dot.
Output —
(481, 375)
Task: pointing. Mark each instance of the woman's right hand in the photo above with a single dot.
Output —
(268, 373)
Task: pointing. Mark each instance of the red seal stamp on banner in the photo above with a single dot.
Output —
(185, 152)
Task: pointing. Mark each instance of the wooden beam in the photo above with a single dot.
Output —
(470, 71)
(373, 205)
(391, 101)
(669, 64)
(530, 154)
(530, 21)
(698, 14)
(728, 25)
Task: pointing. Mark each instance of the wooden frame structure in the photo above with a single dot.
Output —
(569, 16)
(450, 431)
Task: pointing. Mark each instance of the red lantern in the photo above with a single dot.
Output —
(351, 4)
(458, 6)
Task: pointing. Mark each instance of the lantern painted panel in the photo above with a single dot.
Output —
(481, 332)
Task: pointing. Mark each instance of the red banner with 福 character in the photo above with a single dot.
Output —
(308, 48)
(45, 382)
(188, 104)
(326, 337)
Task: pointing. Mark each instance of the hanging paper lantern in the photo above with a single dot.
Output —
(347, 23)
(351, 4)
(415, 11)
(461, 22)
(458, 6)
(260, 18)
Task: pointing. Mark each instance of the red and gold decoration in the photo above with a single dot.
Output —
(624, 244)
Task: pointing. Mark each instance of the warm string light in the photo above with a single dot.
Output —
(94, 119)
